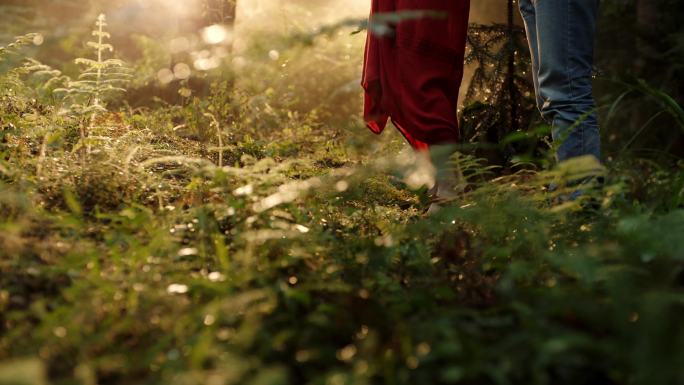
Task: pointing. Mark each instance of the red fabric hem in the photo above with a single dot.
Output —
(413, 77)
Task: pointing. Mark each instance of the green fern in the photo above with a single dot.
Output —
(14, 67)
(49, 78)
(11, 57)
(100, 78)
(19, 42)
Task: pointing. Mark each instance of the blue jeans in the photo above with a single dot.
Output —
(561, 35)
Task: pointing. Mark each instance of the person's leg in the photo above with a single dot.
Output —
(449, 180)
(565, 32)
(530, 18)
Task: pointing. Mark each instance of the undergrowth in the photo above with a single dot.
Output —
(235, 239)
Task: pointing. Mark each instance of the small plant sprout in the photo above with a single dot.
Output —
(99, 80)
(215, 123)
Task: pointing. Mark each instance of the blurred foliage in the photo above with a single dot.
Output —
(649, 51)
(236, 225)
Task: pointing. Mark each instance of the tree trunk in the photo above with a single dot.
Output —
(221, 12)
(647, 19)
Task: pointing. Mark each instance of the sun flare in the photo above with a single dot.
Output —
(216, 34)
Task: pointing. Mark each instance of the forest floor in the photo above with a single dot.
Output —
(306, 260)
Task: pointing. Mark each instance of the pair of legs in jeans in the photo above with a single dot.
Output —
(561, 35)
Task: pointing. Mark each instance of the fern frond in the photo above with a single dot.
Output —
(100, 46)
(87, 62)
(100, 78)
(19, 43)
(102, 34)
(114, 62)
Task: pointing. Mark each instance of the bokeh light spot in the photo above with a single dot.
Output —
(38, 39)
(215, 34)
(182, 71)
(165, 76)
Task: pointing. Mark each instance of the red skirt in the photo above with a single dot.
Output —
(413, 74)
